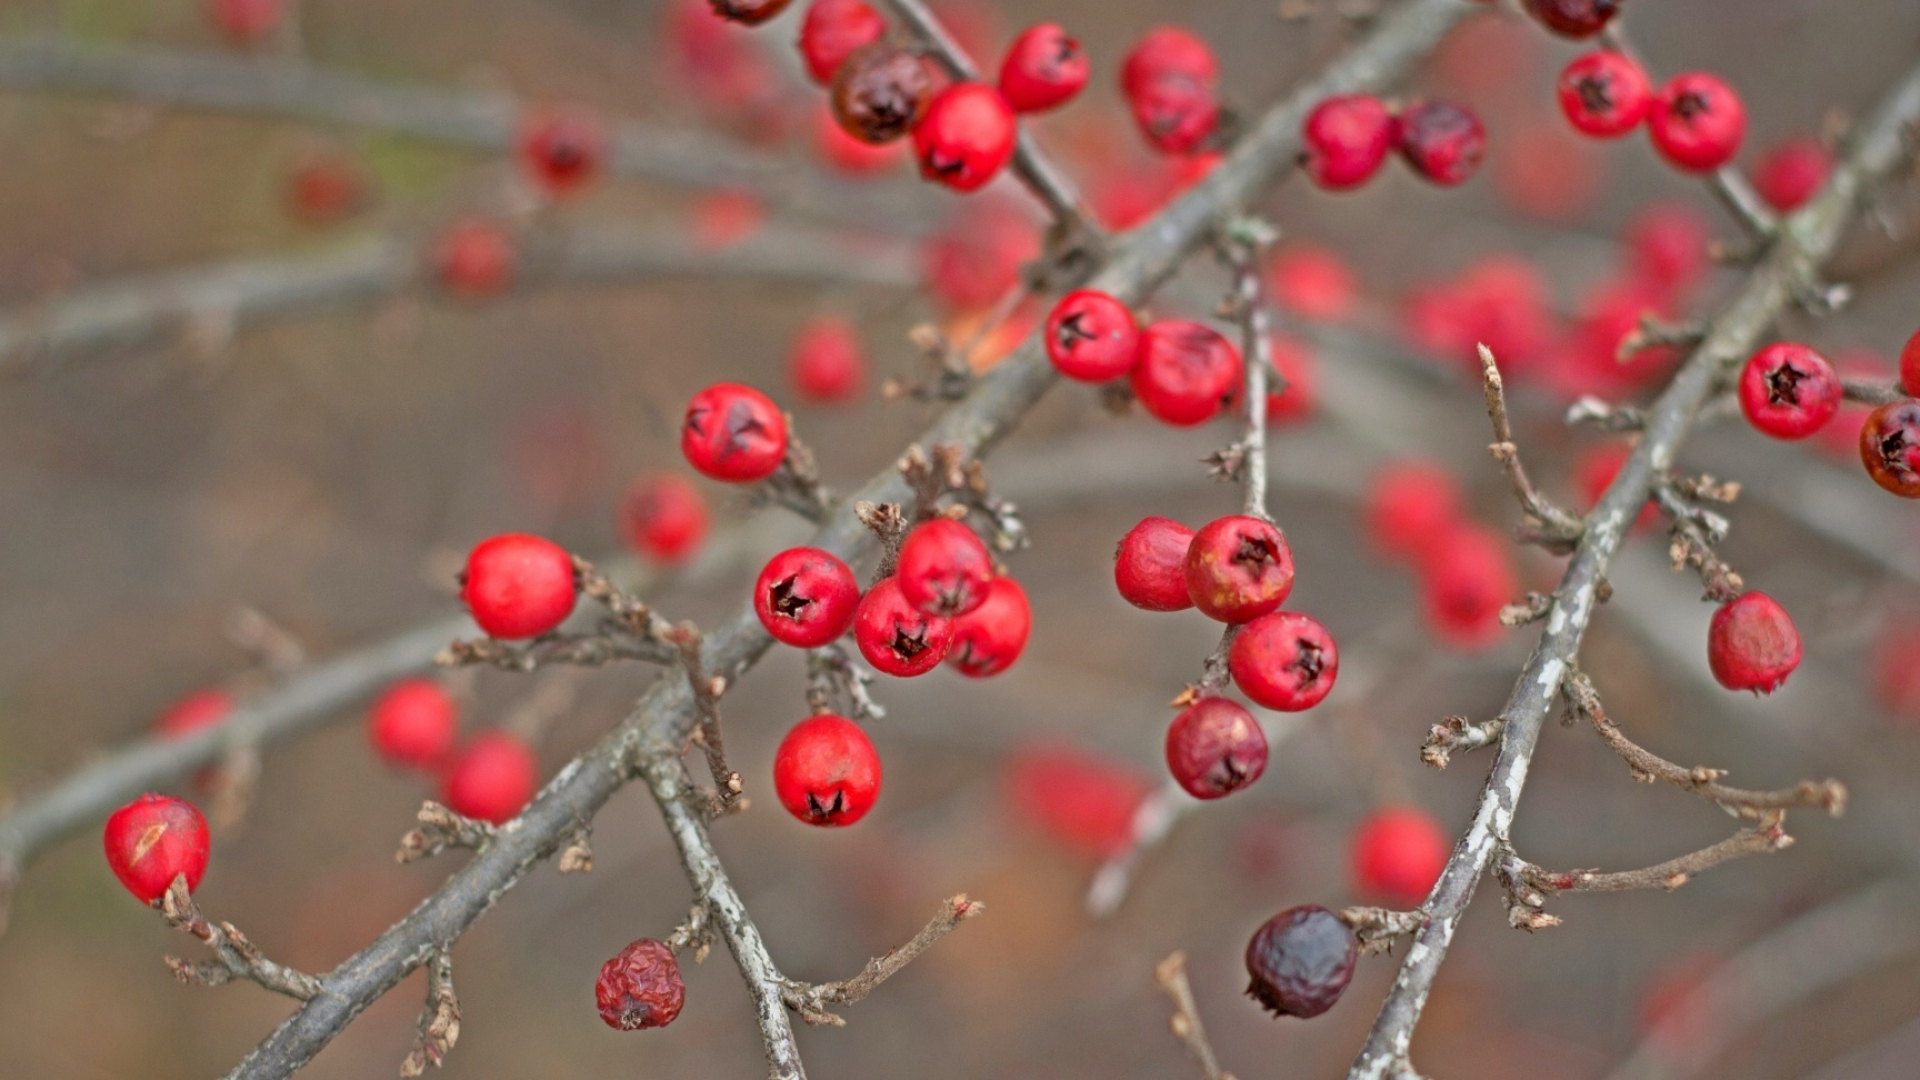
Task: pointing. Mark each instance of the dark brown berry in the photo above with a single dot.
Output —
(1573, 18)
(1301, 961)
(748, 12)
(640, 987)
(880, 92)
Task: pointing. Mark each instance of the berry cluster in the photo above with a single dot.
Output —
(1415, 514)
(1347, 138)
(1696, 121)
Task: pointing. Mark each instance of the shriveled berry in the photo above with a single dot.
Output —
(1791, 172)
(1698, 122)
(1789, 391)
(1752, 644)
(518, 586)
(1301, 961)
(1185, 372)
(1176, 114)
(413, 723)
(640, 987)
(896, 637)
(966, 136)
(663, 516)
(1442, 141)
(1214, 748)
(1168, 51)
(826, 771)
(1091, 336)
(834, 30)
(1890, 447)
(734, 433)
(561, 150)
(748, 12)
(245, 22)
(1409, 506)
(1605, 94)
(880, 92)
(1346, 139)
(1150, 565)
(474, 258)
(154, 839)
(1910, 364)
(1312, 282)
(1573, 18)
(827, 364)
(1469, 578)
(1043, 69)
(1238, 568)
(491, 778)
(806, 597)
(1397, 854)
(988, 639)
(1284, 660)
(849, 155)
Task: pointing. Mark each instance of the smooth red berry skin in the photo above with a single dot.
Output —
(1605, 94)
(1910, 364)
(1890, 447)
(154, 839)
(1150, 565)
(491, 778)
(1443, 142)
(1044, 68)
(1214, 748)
(988, 639)
(1238, 568)
(806, 597)
(1469, 577)
(1080, 799)
(826, 771)
(663, 517)
(896, 637)
(734, 433)
(1573, 18)
(1409, 506)
(413, 723)
(827, 364)
(640, 987)
(245, 22)
(1300, 961)
(1168, 52)
(1091, 336)
(474, 258)
(1788, 391)
(1791, 173)
(201, 708)
(1698, 122)
(880, 92)
(1312, 282)
(1398, 854)
(748, 12)
(1752, 644)
(1176, 114)
(1346, 140)
(562, 151)
(518, 586)
(834, 30)
(966, 137)
(944, 568)
(1285, 661)
(1185, 372)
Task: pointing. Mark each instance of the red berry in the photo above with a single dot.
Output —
(734, 433)
(1410, 505)
(640, 987)
(1177, 114)
(1214, 748)
(718, 64)
(1398, 853)
(474, 258)
(1789, 391)
(975, 260)
(154, 839)
(944, 568)
(1091, 336)
(1791, 173)
(1573, 18)
(1752, 644)
(664, 517)
(988, 639)
(1669, 247)
(1669, 1015)
(413, 723)
(1910, 364)
(848, 154)
(1150, 565)
(1164, 52)
(827, 364)
(1044, 68)
(561, 150)
(1312, 282)
(1284, 661)
(518, 586)
(834, 30)
(1185, 372)
(491, 778)
(1084, 801)
(1895, 670)
(725, 216)
(1301, 961)
(826, 771)
(1469, 578)
(245, 21)
(806, 597)
(1890, 447)
(1238, 568)
(1346, 139)
(1605, 94)
(324, 189)
(1294, 363)
(201, 708)
(966, 137)
(1698, 122)
(1442, 141)
(880, 92)
(896, 637)
(748, 12)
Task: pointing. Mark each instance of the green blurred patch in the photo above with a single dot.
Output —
(409, 168)
(104, 20)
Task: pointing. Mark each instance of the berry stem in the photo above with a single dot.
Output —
(1171, 976)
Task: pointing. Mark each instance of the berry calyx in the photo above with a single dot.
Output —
(640, 987)
(1469, 578)
(1698, 122)
(1301, 961)
(988, 639)
(663, 517)
(518, 586)
(1752, 644)
(834, 30)
(848, 154)
(748, 12)
(1346, 139)
(1150, 565)
(944, 568)
(491, 778)
(1214, 748)
(474, 258)
(1397, 854)
(880, 92)
(1789, 391)
(734, 433)
(806, 597)
(1044, 68)
(1890, 447)
(1604, 94)
(966, 136)
(561, 151)
(1091, 336)
(1175, 113)
(1284, 660)
(198, 709)
(154, 839)
(896, 637)
(1791, 173)
(1238, 568)
(1442, 141)
(1168, 52)
(1573, 18)
(827, 364)
(826, 771)
(1410, 505)
(1185, 372)
(413, 723)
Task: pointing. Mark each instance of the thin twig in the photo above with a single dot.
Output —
(235, 957)
(439, 1026)
(1243, 240)
(1549, 526)
(707, 689)
(440, 829)
(811, 1000)
(1171, 976)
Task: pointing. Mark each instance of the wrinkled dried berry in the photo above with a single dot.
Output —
(640, 987)
(1214, 748)
(880, 92)
(1890, 447)
(1301, 961)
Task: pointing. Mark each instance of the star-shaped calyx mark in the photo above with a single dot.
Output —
(827, 811)
(786, 601)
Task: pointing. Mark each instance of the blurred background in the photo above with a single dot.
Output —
(327, 467)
